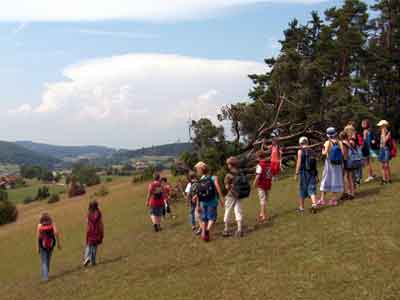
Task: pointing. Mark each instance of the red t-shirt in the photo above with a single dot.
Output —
(265, 177)
(155, 188)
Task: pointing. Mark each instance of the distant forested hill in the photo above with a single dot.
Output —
(173, 150)
(11, 153)
(62, 152)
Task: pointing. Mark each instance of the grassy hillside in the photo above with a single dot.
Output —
(20, 194)
(11, 153)
(348, 252)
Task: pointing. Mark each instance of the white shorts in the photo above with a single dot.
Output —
(263, 196)
(233, 204)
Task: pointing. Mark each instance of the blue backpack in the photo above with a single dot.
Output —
(335, 154)
(354, 160)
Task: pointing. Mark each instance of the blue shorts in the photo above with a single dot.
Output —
(208, 213)
(308, 185)
(156, 211)
(384, 155)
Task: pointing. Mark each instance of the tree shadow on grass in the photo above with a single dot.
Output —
(368, 193)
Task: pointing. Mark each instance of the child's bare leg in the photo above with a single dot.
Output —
(301, 203)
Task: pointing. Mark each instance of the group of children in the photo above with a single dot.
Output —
(345, 154)
(48, 238)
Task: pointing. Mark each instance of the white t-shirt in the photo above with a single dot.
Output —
(188, 187)
(258, 170)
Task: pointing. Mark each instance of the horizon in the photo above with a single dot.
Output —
(73, 75)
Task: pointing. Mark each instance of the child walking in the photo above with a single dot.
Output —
(94, 233)
(190, 192)
(276, 157)
(47, 238)
(155, 201)
(167, 197)
(236, 189)
(348, 169)
(263, 183)
(366, 148)
(306, 168)
(332, 176)
(208, 194)
(384, 153)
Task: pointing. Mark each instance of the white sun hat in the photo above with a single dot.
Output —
(383, 123)
(303, 140)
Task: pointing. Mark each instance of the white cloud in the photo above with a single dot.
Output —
(23, 109)
(21, 27)
(153, 10)
(117, 34)
(148, 97)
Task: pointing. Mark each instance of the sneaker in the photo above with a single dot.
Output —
(198, 231)
(321, 203)
(156, 229)
(333, 203)
(369, 179)
(226, 233)
(313, 209)
(207, 236)
(86, 262)
(239, 234)
(300, 210)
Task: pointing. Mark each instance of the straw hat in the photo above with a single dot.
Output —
(303, 140)
(200, 165)
(383, 123)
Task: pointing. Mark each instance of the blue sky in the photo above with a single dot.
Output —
(130, 75)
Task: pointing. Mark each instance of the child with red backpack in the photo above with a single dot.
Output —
(47, 238)
(155, 201)
(94, 233)
(263, 183)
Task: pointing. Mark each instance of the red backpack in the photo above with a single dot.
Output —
(47, 239)
(393, 148)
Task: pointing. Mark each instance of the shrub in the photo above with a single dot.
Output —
(29, 199)
(109, 179)
(3, 195)
(8, 212)
(43, 193)
(76, 189)
(54, 198)
(102, 192)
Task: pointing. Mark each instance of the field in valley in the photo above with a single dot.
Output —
(348, 252)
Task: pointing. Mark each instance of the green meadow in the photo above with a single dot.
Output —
(347, 252)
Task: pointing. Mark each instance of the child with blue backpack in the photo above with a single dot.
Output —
(385, 155)
(349, 169)
(208, 195)
(306, 168)
(332, 176)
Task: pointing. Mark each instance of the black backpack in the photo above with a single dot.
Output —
(206, 190)
(310, 162)
(241, 185)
